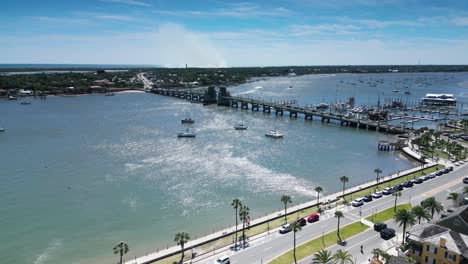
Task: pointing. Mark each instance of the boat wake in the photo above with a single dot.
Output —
(53, 246)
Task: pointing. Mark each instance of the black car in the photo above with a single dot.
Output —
(417, 181)
(408, 184)
(465, 180)
(379, 226)
(387, 233)
(450, 168)
(446, 170)
(398, 187)
(367, 198)
(439, 172)
(302, 221)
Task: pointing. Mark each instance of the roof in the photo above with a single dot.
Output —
(431, 233)
(399, 260)
(456, 221)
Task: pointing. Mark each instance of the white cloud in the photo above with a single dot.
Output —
(304, 30)
(460, 21)
(129, 2)
(60, 19)
(114, 17)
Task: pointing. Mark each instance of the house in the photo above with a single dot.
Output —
(434, 244)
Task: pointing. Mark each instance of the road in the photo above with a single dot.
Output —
(268, 247)
(147, 84)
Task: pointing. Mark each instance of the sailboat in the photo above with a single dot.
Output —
(187, 120)
(274, 133)
(187, 134)
(241, 126)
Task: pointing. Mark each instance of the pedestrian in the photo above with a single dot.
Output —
(362, 249)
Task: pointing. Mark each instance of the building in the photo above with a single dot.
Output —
(439, 100)
(442, 242)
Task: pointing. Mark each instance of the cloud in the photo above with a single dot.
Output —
(460, 21)
(128, 2)
(114, 17)
(60, 19)
(304, 30)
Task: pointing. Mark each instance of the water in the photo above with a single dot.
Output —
(81, 173)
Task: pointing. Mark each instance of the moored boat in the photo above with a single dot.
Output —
(274, 134)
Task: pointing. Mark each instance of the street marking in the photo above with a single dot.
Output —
(268, 248)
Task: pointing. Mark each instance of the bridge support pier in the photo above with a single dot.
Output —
(244, 105)
(292, 114)
(325, 118)
(266, 109)
(278, 111)
(308, 117)
(254, 107)
(344, 122)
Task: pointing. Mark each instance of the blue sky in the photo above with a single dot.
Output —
(222, 33)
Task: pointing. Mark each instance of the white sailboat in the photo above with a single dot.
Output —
(187, 134)
(274, 133)
(241, 126)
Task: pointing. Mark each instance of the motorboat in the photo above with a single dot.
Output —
(395, 91)
(407, 92)
(240, 127)
(274, 134)
(187, 121)
(12, 97)
(25, 103)
(2, 129)
(322, 106)
(186, 134)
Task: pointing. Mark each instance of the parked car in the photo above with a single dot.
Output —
(408, 184)
(387, 190)
(387, 233)
(450, 168)
(357, 202)
(417, 181)
(223, 260)
(313, 218)
(446, 170)
(439, 172)
(367, 198)
(377, 195)
(424, 178)
(465, 180)
(398, 187)
(302, 221)
(285, 229)
(431, 175)
(379, 226)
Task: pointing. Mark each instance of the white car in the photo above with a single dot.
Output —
(223, 260)
(285, 229)
(357, 202)
(387, 190)
(377, 195)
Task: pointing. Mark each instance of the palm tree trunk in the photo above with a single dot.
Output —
(432, 213)
(318, 195)
(343, 189)
(235, 242)
(338, 229)
(121, 256)
(294, 252)
(243, 233)
(285, 218)
(182, 259)
(404, 232)
(394, 207)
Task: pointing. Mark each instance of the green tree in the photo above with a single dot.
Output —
(286, 199)
(244, 216)
(342, 257)
(404, 217)
(296, 227)
(322, 257)
(377, 172)
(121, 248)
(397, 194)
(432, 205)
(379, 252)
(236, 203)
(339, 215)
(420, 213)
(181, 238)
(344, 180)
(318, 189)
(453, 196)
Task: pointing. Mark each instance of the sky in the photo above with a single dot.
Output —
(221, 33)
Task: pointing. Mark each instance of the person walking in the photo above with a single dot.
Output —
(362, 249)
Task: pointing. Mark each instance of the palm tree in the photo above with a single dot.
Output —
(296, 227)
(404, 217)
(285, 199)
(181, 238)
(432, 205)
(453, 196)
(422, 159)
(338, 214)
(344, 180)
(322, 257)
(318, 189)
(396, 194)
(121, 248)
(244, 216)
(236, 203)
(377, 172)
(420, 213)
(343, 257)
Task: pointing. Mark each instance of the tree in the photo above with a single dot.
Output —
(379, 252)
(322, 257)
(296, 227)
(121, 248)
(338, 214)
(404, 217)
(344, 180)
(432, 205)
(182, 238)
(244, 216)
(420, 213)
(397, 194)
(318, 189)
(465, 189)
(377, 172)
(343, 257)
(453, 196)
(422, 159)
(285, 199)
(236, 203)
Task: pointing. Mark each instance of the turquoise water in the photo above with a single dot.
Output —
(81, 173)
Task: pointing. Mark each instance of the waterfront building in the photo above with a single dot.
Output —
(439, 100)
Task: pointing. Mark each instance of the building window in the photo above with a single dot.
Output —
(450, 256)
(432, 249)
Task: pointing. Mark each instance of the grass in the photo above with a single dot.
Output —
(395, 181)
(330, 238)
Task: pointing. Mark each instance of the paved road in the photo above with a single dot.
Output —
(266, 248)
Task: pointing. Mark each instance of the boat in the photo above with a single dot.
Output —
(322, 106)
(290, 87)
(12, 97)
(25, 103)
(407, 92)
(274, 134)
(395, 91)
(110, 94)
(187, 121)
(2, 129)
(186, 134)
(241, 126)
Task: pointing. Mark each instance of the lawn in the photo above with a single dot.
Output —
(386, 214)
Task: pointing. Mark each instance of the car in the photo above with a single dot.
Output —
(439, 173)
(424, 178)
(450, 168)
(408, 184)
(377, 195)
(301, 221)
(223, 260)
(417, 181)
(379, 226)
(431, 175)
(465, 180)
(387, 233)
(367, 198)
(454, 136)
(285, 229)
(387, 190)
(357, 202)
(446, 170)
(313, 218)
(398, 187)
